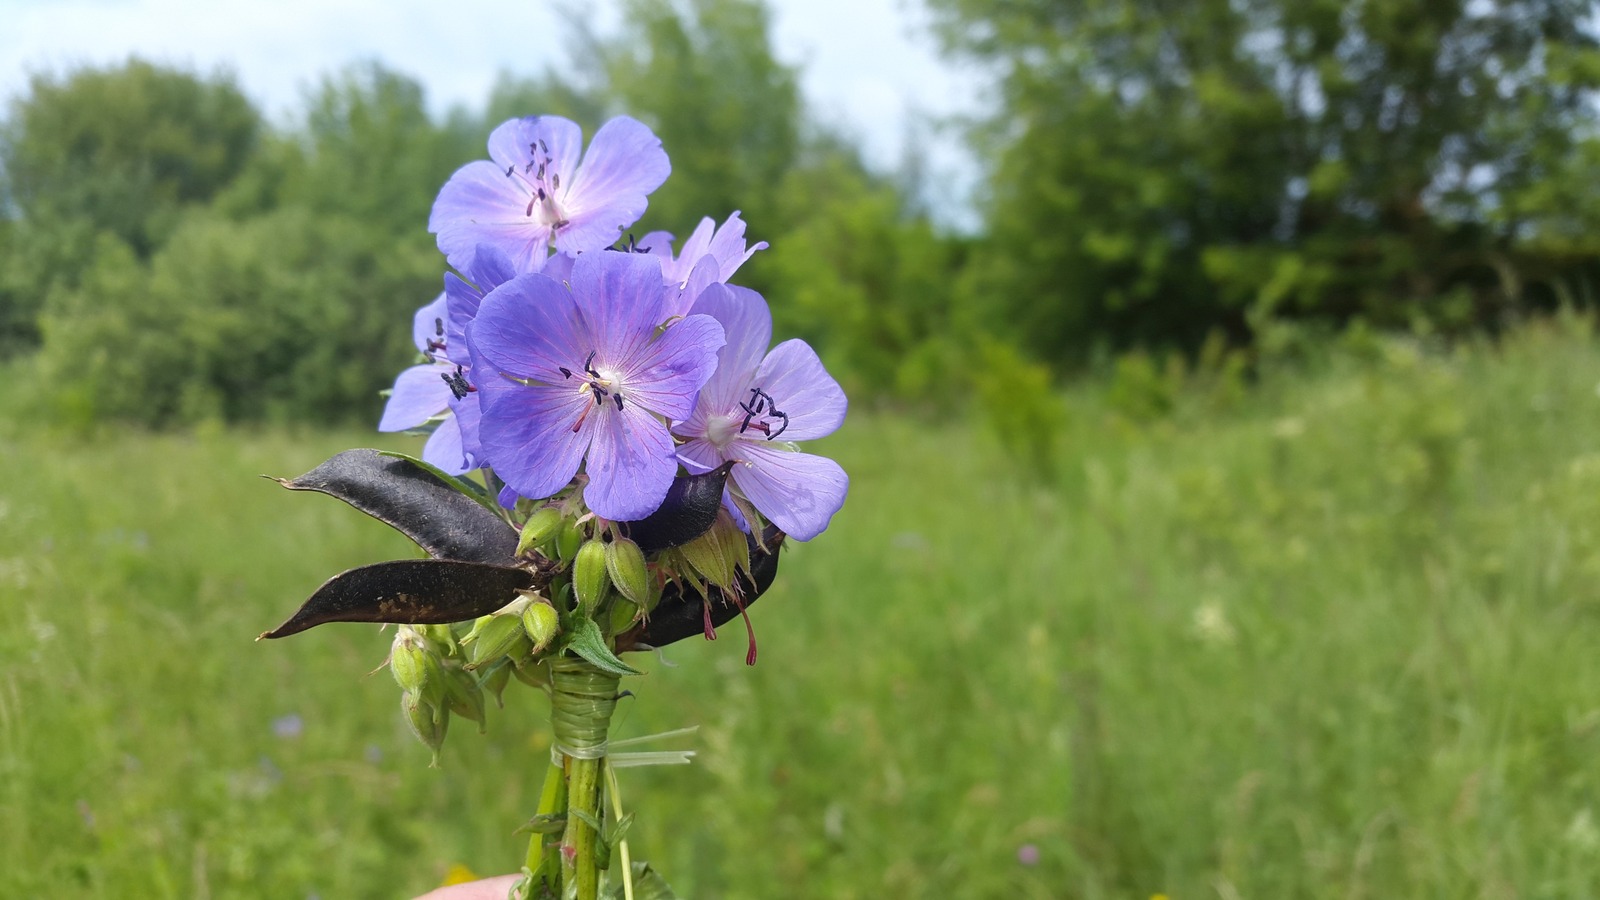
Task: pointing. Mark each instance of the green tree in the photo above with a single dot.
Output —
(287, 316)
(1164, 169)
(729, 113)
(124, 148)
(120, 150)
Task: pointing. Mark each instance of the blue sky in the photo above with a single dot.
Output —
(866, 65)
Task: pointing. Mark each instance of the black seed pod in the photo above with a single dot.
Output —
(688, 512)
(409, 591)
(416, 502)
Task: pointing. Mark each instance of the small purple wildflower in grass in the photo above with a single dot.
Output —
(581, 377)
(1028, 855)
(710, 256)
(758, 402)
(288, 727)
(535, 194)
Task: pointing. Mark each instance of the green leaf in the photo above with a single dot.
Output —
(587, 641)
(545, 823)
(614, 833)
(647, 885)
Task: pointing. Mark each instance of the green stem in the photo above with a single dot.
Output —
(583, 794)
(615, 794)
(552, 800)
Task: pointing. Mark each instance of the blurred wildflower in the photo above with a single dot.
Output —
(1211, 623)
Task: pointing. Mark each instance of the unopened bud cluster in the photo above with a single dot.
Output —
(584, 569)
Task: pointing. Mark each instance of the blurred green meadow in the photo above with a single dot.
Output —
(1331, 634)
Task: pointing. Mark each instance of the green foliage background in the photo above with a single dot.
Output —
(1210, 655)
(1159, 177)
(1288, 592)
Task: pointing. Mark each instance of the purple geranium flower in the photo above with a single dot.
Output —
(535, 193)
(423, 392)
(710, 256)
(581, 376)
(755, 405)
(441, 385)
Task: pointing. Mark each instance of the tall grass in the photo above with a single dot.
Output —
(1336, 637)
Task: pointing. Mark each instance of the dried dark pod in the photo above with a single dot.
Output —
(474, 549)
(409, 591)
(682, 614)
(688, 512)
(414, 501)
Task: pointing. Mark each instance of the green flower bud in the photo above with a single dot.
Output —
(464, 698)
(495, 680)
(501, 636)
(408, 659)
(542, 623)
(625, 565)
(441, 639)
(540, 527)
(568, 539)
(534, 676)
(589, 579)
(428, 721)
(621, 615)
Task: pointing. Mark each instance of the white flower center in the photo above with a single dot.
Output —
(723, 430)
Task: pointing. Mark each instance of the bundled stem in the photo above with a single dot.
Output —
(582, 701)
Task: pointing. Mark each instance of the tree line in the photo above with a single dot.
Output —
(1169, 176)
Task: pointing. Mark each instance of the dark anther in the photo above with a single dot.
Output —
(509, 169)
(457, 383)
(618, 398)
(541, 169)
(541, 195)
(555, 180)
(434, 346)
(761, 404)
(543, 147)
(438, 327)
(599, 394)
(527, 168)
(588, 364)
(531, 201)
(565, 372)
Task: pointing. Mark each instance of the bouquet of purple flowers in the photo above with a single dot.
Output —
(611, 466)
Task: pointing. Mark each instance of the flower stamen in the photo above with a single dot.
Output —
(762, 405)
(458, 384)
